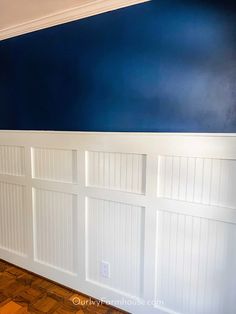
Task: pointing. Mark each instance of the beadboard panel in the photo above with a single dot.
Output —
(195, 264)
(53, 223)
(200, 180)
(116, 171)
(12, 160)
(13, 218)
(158, 210)
(54, 164)
(115, 235)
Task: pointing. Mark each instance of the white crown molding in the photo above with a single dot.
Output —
(71, 14)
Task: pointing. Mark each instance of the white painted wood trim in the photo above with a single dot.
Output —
(76, 13)
(171, 238)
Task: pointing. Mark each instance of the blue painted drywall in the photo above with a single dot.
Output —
(159, 66)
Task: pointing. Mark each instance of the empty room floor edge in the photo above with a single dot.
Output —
(23, 292)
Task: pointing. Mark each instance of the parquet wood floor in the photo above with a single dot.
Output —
(22, 292)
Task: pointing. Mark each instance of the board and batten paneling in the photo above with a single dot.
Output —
(146, 222)
(53, 223)
(13, 218)
(54, 164)
(195, 262)
(117, 171)
(115, 234)
(201, 180)
(12, 160)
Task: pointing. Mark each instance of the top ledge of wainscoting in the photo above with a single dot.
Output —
(123, 133)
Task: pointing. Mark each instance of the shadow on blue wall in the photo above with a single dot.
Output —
(159, 66)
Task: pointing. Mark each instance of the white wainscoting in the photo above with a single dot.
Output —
(158, 210)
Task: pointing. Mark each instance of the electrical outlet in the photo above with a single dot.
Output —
(105, 269)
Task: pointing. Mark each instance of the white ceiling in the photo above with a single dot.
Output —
(22, 16)
(13, 12)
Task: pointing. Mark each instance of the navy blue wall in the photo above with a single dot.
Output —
(159, 66)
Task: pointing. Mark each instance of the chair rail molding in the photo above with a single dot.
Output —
(56, 16)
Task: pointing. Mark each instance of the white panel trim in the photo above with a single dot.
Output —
(150, 202)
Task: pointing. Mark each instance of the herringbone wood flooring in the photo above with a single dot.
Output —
(22, 292)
